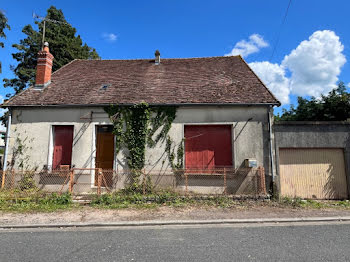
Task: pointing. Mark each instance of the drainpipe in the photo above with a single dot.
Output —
(271, 147)
(8, 129)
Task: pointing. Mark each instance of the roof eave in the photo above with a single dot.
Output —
(152, 104)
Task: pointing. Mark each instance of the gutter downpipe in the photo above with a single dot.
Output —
(8, 129)
(271, 148)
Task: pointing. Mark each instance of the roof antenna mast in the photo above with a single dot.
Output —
(44, 19)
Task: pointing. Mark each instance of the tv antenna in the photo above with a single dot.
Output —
(44, 19)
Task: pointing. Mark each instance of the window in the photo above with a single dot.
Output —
(62, 146)
(208, 146)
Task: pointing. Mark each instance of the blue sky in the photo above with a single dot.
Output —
(135, 29)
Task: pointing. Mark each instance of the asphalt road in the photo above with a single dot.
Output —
(205, 243)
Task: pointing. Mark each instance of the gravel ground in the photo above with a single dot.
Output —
(94, 215)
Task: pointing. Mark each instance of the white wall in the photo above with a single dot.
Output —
(250, 132)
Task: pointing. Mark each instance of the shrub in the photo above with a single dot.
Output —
(27, 181)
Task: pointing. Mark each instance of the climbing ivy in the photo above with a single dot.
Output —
(131, 129)
(170, 150)
(163, 116)
(135, 127)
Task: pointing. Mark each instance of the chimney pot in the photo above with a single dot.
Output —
(157, 57)
(44, 67)
(46, 47)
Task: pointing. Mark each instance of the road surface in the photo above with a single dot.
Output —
(288, 242)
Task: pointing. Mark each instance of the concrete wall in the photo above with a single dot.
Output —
(34, 127)
(313, 135)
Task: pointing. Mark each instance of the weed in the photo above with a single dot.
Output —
(293, 202)
(31, 200)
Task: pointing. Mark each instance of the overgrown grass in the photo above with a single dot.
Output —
(127, 199)
(36, 200)
(298, 202)
(30, 201)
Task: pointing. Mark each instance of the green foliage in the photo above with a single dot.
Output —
(57, 199)
(20, 156)
(3, 25)
(27, 180)
(64, 45)
(34, 200)
(293, 202)
(135, 127)
(298, 202)
(172, 156)
(125, 199)
(333, 107)
(163, 117)
(343, 203)
(131, 129)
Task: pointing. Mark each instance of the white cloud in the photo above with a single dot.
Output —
(315, 64)
(311, 69)
(245, 48)
(110, 37)
(273, 76)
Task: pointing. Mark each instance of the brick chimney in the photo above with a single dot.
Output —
(44, 67)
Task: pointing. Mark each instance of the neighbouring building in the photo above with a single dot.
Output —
(313, 159)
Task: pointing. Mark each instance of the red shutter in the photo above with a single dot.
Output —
(63, 141)
(208, 146)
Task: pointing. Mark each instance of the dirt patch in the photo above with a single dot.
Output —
(94, 215)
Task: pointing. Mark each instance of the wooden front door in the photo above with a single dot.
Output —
(105, 153)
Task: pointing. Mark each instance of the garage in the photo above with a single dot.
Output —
(208, 146)
(313, 173)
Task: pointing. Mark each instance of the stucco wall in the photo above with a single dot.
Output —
(250, 133)
(314, 135)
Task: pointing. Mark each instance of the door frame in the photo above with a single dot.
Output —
(94, 147)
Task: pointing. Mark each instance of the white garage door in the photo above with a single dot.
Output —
(313, 173)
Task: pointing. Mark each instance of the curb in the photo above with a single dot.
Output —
(182, 222)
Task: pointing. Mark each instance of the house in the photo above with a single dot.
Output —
(223, 113)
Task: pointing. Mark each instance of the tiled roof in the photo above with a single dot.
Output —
(212, 80)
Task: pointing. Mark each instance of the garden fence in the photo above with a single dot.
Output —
(218, 181)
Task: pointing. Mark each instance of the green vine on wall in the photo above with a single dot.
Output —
(141, 125)
(170, 150)
(20, 159)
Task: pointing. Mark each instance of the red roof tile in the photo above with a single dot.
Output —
(212, 80)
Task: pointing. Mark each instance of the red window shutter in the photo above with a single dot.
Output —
(208, 146)
(63, 141)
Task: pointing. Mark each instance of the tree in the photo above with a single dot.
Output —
(333, 107)
(3, 25)
(64, 45)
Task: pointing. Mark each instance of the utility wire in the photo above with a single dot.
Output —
(280, 30)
